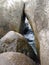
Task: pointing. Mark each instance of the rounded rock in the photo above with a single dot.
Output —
(13, 58)
(15, 42)
(11, 15)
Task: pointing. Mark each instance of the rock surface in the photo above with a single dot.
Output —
(14, 41)
(37, 13)
(11, 12)
(30, 8)
(13, 58)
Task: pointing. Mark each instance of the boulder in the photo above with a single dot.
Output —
(15, 42)
(37, 13)
(13, 58)
(11, 16)
(30, 8)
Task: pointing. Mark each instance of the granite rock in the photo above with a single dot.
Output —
(15, 58)
(15, 42)
(37, 13)
(11, 16)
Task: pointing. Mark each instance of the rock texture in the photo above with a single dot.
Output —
(37, 13)
(14, 41)
(30, 8)
(13, 58)
(11, 12)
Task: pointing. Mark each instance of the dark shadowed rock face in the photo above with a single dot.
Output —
(13, 58)
(11, 12)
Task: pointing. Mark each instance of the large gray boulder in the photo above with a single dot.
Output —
(37, 13)
(30, 8)
(13, 58)
(15, 42)
(11, 16)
